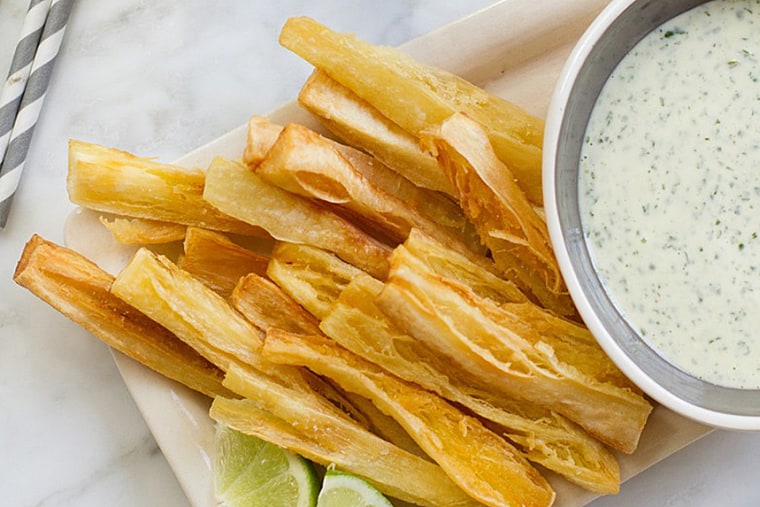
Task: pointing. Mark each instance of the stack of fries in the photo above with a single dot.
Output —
(388, 303)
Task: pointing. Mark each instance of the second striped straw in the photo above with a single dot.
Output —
(31, 101)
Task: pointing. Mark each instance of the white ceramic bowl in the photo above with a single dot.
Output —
(615, 31)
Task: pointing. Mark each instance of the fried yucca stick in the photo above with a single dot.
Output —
(183, 304)
(507, 224)
(205, 321)
(356, 323)
(281, 416)
(311, 276)
(573, 343)
(453, 320)
(385, 426)
(142, 231)
(305, 163)
(196, 314)
(483, 464)
(262, 134)
(78, 289)
(417, 97)
(360, 124)
(114, 181)
(236, 190)
(433, 205)
(217, 261)
(479, 276)
(266, 305)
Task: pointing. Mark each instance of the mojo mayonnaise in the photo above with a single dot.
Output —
(669, 190)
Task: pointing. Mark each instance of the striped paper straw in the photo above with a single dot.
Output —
(21, 66)
(31, 103)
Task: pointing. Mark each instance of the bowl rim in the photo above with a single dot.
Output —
(555, 116)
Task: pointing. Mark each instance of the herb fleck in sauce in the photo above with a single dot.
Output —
(670, 190)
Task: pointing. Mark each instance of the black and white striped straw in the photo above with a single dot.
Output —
(21, 67)
(30, 104)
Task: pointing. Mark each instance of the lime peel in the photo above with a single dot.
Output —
(251, 472)
(342, 489)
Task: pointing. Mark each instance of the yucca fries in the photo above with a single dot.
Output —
(452, 319)
(78, 289)
(572, 342)
(170, 296)
(479, 461)
(417, 97)
(141, 231)
(385, 426)
(356, 323)
(311, 276)
(407, 321)
(217, 261)
(360, 124)
(516, 236)
(114, 181)
(314, 166)
(478, 274)
(285, 418)
(201, 318)
(262, 134)
(236, 190)
(305, 163)
(266, 305)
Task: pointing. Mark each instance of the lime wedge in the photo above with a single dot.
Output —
(341, 489)
(253, 473)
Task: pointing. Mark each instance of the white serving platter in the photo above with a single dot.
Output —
(515, 49)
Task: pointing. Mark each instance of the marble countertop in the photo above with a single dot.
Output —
(159, 79)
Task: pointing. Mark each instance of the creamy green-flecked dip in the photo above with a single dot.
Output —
(669, 190)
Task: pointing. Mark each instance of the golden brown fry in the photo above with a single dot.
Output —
(417, 97)
(266, 305)
(305, 163)
(236, 190)
(142, 231)
(183, 304)
(311, 276)
(282, 417)
(506, 222)
(572, 342)
(114, 181)
(360, 124)
(483, 464)
(433, 205)
(261, 136)
(385, 426)
(217, 261)
(356, 323)
(205, 321)
(479, 275)
(453, 320)
(78, 289)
